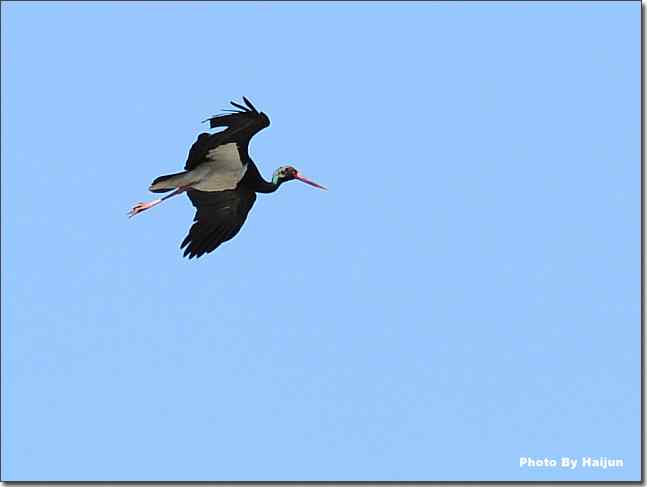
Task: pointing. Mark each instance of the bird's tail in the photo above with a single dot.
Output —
(168, 182)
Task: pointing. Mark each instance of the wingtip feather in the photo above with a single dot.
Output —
(249, 104)
(237, 105)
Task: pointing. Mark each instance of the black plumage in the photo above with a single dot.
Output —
(241, 126)
(221, 180)
(218, 218)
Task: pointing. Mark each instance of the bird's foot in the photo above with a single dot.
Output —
(139, 207)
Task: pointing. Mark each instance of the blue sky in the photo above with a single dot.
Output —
(466, 294)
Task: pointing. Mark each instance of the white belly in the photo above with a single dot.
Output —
(222, 170)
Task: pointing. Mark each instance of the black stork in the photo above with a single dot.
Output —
(221, 180)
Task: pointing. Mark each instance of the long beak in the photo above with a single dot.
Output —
(311, 183)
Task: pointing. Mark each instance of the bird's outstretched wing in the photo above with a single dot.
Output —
(219, 217)
(241, 125)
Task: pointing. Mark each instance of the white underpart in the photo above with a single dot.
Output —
(222, 169)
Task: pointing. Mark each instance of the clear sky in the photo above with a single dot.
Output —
(466, 294)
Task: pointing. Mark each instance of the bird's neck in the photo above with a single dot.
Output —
(263, 186)
(256, 182)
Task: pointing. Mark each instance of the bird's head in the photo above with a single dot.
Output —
(288, 173)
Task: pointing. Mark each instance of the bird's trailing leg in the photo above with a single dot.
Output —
(139, 207)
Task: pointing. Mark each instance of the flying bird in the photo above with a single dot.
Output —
(221, 180)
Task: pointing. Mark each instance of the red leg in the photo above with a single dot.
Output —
(139, 207)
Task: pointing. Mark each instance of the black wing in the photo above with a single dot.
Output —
(241, 125)
(219, 217)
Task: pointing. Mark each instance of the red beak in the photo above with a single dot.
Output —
(311, 183)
